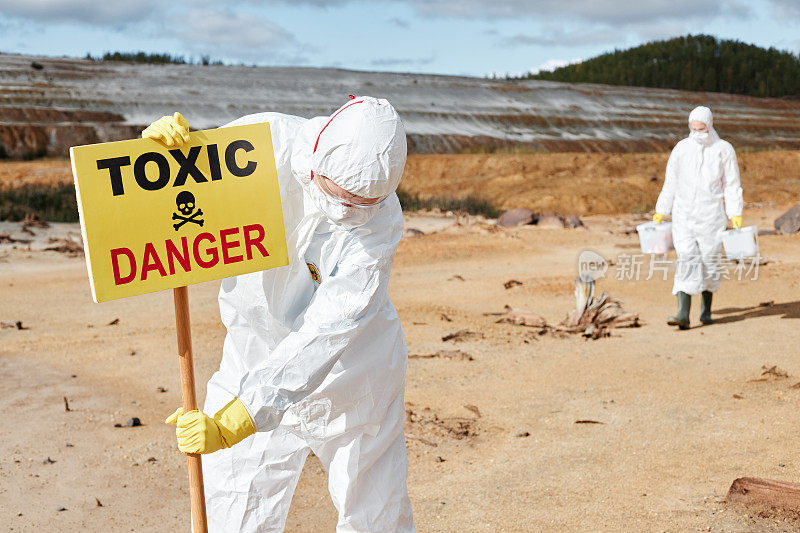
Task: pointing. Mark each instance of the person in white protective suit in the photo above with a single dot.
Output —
(315, 356)
(701, 191)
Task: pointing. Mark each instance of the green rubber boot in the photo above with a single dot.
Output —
(705, 308)
(682, 318)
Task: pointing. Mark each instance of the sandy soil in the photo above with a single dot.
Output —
(584, 183)
(41, 172)
(682, 414)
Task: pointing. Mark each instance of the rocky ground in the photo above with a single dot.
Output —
(509, 427)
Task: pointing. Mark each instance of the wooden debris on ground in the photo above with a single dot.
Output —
(770, 373)
(65, 246)
(765, 496)
(427, 422)
(10, 325)
(456, 355)
(6, 238)
(463, 335)
(519, 317)
(33, 220)
(593, 315)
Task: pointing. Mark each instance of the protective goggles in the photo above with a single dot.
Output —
(357, 201)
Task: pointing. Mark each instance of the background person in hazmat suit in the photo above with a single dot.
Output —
(701, 190)
(315, 356)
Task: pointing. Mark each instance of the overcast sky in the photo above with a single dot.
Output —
(472, 37)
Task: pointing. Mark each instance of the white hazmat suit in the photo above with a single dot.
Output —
(315, 350)
(701, 191)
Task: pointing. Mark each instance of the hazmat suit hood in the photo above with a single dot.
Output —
(361, 148)
(704, 115)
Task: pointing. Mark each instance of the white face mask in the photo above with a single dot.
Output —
(347, 216)
(700, 137)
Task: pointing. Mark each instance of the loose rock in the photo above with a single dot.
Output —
(789, 222)
(573, 221)
(551, 220)
(517, 217)
(413, 232)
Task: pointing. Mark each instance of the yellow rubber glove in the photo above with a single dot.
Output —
(199, 433)
(736, 222)
(658, 218)
(169, 130)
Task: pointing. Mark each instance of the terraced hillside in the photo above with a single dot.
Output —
(49, 104)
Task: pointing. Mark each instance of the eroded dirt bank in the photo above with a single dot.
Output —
(563, 183)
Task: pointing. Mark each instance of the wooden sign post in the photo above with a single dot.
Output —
(155, 218)
(182, 324)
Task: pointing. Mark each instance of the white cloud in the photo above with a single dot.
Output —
(85, 11)
(607, 11)
(618, 29)
(593, 22)
(786, 10)
(240, 35)
(558, 37)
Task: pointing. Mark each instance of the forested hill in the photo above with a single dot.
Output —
(691, 63)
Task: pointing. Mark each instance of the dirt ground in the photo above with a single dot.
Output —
(493, 442)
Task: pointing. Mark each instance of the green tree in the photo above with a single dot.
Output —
(692, 63)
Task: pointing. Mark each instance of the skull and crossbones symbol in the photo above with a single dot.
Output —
(186, 205)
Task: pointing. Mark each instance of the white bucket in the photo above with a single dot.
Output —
(741, 243)
(655, 238)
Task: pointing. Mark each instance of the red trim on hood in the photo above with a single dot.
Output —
(326, 125)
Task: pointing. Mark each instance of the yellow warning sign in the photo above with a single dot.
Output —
(156, 218)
